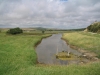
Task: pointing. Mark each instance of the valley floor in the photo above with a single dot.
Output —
(18, 56)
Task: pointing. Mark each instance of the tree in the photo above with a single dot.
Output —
(89, 27)
(43, 31)
(95, 27)
(15, 31)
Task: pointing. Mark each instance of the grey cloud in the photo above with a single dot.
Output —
(49, 13)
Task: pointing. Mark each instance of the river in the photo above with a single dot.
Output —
(47, 49)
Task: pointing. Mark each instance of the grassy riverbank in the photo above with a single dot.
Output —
(17, 52)
(85, 41)
(18, 57)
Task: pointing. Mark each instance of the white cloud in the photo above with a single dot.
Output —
(49, 13)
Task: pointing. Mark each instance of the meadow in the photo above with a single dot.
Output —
(18, 57)
(84, 40)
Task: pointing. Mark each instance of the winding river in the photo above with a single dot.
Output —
(47, 49)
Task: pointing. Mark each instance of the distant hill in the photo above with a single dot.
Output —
(94, 27)
(80, 29)
(40, 28)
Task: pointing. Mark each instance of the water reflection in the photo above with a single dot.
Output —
(46, 50)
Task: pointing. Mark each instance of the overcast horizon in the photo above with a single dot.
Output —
(62, 14)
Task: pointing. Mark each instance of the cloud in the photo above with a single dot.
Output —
(49, 13)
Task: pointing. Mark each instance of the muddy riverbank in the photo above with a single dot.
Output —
(86, 54)
(47, 50)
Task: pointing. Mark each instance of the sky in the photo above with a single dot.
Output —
(62, 14)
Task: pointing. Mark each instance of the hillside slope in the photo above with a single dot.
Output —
(94, 27)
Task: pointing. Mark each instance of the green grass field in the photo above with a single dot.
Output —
(18, 57)
(84, 40)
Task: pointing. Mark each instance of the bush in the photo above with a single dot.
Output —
(43, 31)
(15, 31)
(95, 27)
